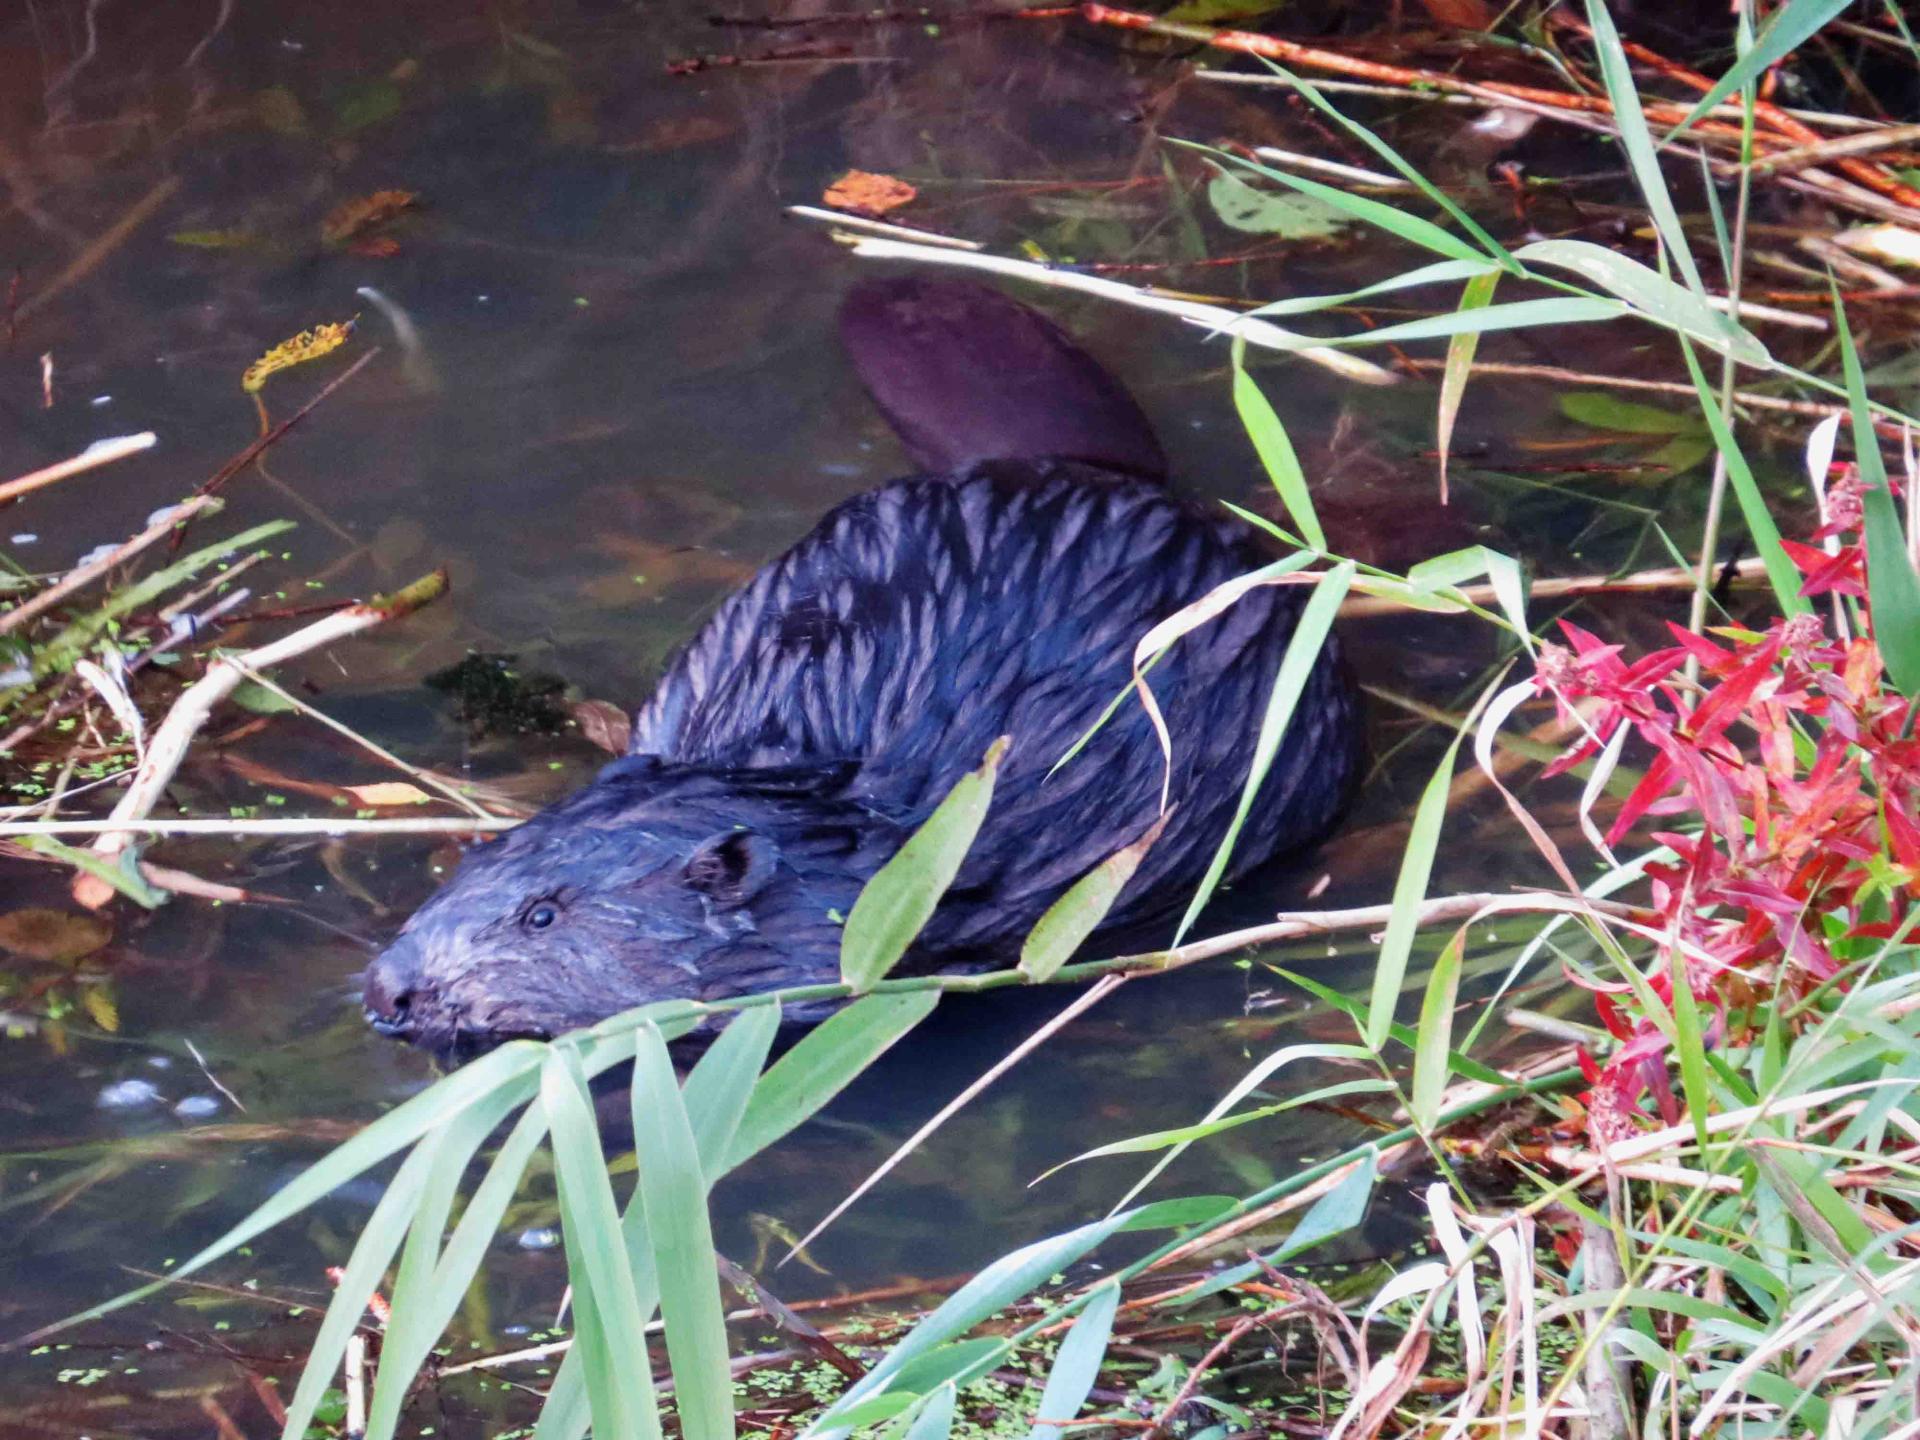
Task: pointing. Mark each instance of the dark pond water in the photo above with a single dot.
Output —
(625, 397)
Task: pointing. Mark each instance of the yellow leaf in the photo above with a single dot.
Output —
(388, 792)
(307, 345)
(99, 1005)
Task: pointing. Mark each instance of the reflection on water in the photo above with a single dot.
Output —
(607, 392)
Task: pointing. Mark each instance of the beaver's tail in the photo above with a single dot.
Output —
(964, 374)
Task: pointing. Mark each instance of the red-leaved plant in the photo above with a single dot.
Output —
(1797, 762)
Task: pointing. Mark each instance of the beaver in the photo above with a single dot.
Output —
(825, 709)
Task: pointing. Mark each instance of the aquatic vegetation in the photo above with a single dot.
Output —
(1681, 1197)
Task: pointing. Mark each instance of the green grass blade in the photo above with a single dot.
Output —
(62, 649)
(897, 902)
(419, 1319)
(1006, 1280)
(1891, 585)
(378, 1241)
(1336, 1212)
(1409, 889)
(720, 1085)
(824, 1064)
(1296, 669)
(1405, 168)
(1652, 294)
(1077, 1365)
(1477, 294)
(1276, 451)
(1515, 315)
(1782, 574)
(1402, 224)
(1637, 141)
(674, 1194)
(1254, 1078)
(1078, 913)
(1433, 1040)
(1439, 272)
(1690, 1042)
(1791, 27)
(620, 1392)
(935, 1420)
(508, 1069)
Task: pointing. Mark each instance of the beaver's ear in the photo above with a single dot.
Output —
(732, 867)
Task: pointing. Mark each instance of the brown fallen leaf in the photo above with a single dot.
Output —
(57, 935)
(602, 722)
(363, 212)
(868, 193)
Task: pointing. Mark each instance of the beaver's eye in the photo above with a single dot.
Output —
(542, 915)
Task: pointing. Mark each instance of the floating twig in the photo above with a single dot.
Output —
(190, 711)
(101, 452)
(175, 517)
(881, 227)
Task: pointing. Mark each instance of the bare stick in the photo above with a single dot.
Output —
(101, 452)
(326, 825)
(1747, 572)
(212, 1079)
(88, 260)
(1814, 409)
(425, 777)
(354, 1375)
(1820, 152)
(880, 227)
(76, 579)
(1106, 985)
(168, 747)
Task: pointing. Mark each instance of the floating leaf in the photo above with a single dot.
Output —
(603, 723)
(388, 792)
(279, 110)
(868, 193)
(57, 935)
(98, 1004)
(259, 700)
(307, 345)
(360, 214)
(1608, 412)
(367, 104)
(1264, 212)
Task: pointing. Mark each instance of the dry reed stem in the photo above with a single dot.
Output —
(325, 825)
(168, 747)
(89, 259)
(1813, 409)
(175, 515)
(1082, 1003)
(101, 452)
(1746, 572)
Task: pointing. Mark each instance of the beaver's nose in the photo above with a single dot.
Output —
(389, 988)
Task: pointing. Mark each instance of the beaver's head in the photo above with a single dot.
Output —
(655, 882)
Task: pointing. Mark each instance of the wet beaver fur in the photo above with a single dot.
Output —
(826, 708)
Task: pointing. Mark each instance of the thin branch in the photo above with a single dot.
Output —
(175, 516)
(101, 452)
(190, 711)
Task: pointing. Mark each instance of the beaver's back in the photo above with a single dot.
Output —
(920, 621)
